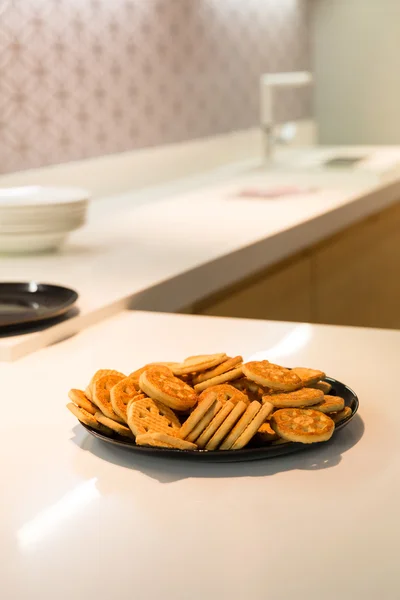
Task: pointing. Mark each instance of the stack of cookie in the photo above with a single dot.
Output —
(210, 402)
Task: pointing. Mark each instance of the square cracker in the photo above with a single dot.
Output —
(226, 426)
(195, 417)
(164, 440)
(205, 421)
(224, 378)
(253, 427)
(241, 425)
(217, 421)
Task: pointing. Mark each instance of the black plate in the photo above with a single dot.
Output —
(23, 303)
(249, 453)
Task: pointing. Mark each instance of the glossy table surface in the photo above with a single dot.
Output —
(80, 519)
(167, 249)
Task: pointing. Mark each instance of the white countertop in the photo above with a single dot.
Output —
(165, 249)
(81, 520)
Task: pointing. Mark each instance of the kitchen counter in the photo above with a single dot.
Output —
(167, 248)
(82, 520)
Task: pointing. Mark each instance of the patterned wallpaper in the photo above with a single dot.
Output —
(82, 78)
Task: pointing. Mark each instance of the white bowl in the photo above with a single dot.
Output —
(67, 224)
(41, 196)
(29, 243)
(37, 218)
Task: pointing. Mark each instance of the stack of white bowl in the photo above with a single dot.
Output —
(36, 218)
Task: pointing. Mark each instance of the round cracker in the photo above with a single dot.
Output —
(121, 393)
(274, 376)
(160, 384)
(330, 404)
(101, 395)
(302, 425)
(79, 398)
(88, 419)
(296, 399)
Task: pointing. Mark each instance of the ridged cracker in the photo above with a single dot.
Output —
(241, 425)
(217, 421)
(228, 376)
(204, 422)
(148, 416)
(117, 427)
(196, 364)
(225, 366)
(253, 426)
(196, 416)
(164, 440)
(226, 426)
(88, 419)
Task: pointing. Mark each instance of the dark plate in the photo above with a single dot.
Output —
(248, 453)
(24, 303)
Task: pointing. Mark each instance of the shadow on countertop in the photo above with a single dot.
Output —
(168, 470)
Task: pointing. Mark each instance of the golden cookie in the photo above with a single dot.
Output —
(266, 374)
(117, 427)
(160, 384)
(228, 376)
(323, 385)
(194, 364)
(241, 425)
(302, 425)
(217, 421)
(164, 440)
(96, 376)
(330, 404)
(250, 388)
(225, 366)
(297, 399)
(122, 392)
(80, 399)
(204, 422)
(101, 395)
(135, 375)
(85, 417)
(266, 434)
(195, 417)
(224, 393)
(308, 376)
(342, 415)
(148, 416)
(146, 439)
(226, 426)
(253, 426)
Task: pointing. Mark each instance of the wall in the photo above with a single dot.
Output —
(83, 78)
(356, 48)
